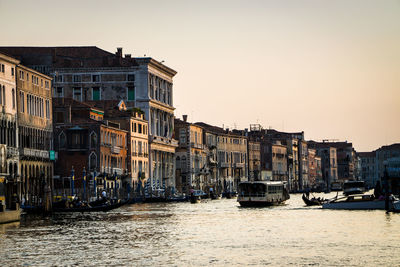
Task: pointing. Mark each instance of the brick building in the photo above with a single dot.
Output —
(87, 143)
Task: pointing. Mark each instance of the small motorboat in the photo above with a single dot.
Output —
(356, 202)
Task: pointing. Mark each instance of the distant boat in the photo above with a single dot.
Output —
(353, 188)
(336, 186)
(262, 193)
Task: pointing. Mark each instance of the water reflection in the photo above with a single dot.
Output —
(217, 232)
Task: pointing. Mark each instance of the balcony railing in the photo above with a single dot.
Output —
(115, 149)
(238, 165)
(12, 151)
(28, 152)
(224, 164)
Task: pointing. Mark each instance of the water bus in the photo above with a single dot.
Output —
(262, 193)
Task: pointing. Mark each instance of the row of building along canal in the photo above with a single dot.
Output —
(80, 125)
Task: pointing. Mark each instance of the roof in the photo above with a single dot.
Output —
(366, 154)
(395, 146)
(68, 56)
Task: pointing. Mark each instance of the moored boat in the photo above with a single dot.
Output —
(262, 193)
(88, 208)
(9, 212)
(313, 201)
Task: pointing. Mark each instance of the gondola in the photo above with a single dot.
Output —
(312, 202)
(104, 207)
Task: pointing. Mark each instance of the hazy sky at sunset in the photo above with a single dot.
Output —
(330, 68)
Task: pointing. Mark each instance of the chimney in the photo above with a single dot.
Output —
(184, 118)
(119, 52)
(127, 55)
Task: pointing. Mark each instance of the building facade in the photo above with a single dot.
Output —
(191, 158)
(9, 146)
(35, 130)
(90, 73)
(92, 152)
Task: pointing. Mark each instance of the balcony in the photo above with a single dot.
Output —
(224, 164)
(115, 149)
(12, 152)
(238, 165)
(196, 145)
(118, 171)
(28, 152)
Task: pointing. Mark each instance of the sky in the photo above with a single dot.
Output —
(328, 68)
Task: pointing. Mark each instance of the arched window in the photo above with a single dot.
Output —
(93, 140)
(92, 162)
(62, 140)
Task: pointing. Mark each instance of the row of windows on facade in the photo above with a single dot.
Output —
(77, 78)
(35, 138)
(80, 94)
(160, 89)
(34, 79)
(139, 166)
(139, 128)
(7, 133)
(139, 148)
(113, 139)
(237, 141)
(111, 162)
(227, 157)
(3, 96)
(77, 140)
(35, 106)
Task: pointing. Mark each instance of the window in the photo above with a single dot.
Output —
(47, 84)
(58, 92)
(48, 109)
(93, 140)
(1, 95)
(96, 78)
(13, 98)
(22, 102)
(96, 93)
(131, 77)
(4, 95)
(2, 68)
(131, 93)
(58, 79)
(12, 71)
(62, 140)
(77, 94)
(77, 78)
(92, 162)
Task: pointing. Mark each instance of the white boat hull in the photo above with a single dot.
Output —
(356, 205)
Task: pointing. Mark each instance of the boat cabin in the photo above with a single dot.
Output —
(262, 193)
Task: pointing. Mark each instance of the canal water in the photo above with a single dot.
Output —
(211, 233)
